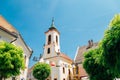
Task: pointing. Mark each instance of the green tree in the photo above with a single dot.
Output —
(41, 71)
(11, 60)
(104, 62)
(110, 45)
(94, 67)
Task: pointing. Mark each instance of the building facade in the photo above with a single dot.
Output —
(61, 64)
(10, 34)
(79, 58)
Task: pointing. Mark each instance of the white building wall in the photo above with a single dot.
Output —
(8, 38)
(27, 53)
(53, 57)
(5, 37)
(54, 47)
(53, 39)
(57, 70)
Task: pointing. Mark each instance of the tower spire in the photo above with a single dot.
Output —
(52, 20)
(52, 25)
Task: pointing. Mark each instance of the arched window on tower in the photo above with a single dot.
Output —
(49, 39)
(57, 39)
(48, 51)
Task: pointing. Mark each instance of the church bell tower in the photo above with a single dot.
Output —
(52, 43)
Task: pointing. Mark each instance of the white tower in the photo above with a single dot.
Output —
(52, 44)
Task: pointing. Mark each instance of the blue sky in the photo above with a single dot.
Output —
(77, 20)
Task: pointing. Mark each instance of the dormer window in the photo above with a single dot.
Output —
(49, 39)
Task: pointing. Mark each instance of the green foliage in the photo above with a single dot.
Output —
(94, 68)
(104, 62)
(11, 60)
(111, 45)
(41, 71)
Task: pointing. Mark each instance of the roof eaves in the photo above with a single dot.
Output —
(11, 33)
(26, 46)
(52, 30)
(65, 56)
(76, 53)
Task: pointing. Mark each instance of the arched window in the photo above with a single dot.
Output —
(57, 39)
(48, 51)
(77, 69)
(69, 71)
(63, 70)
(49, 39)
(25, 59)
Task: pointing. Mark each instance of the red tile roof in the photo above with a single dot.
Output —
(80, 54)
(82, 72)
(65, 56)
(61, 55)
(6, 26)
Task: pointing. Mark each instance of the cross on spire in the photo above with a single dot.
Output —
(52, 25)
(52, 20)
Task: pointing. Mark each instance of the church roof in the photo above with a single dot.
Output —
(65, 56)
(52, 27)
(61, 55)
(81, 50)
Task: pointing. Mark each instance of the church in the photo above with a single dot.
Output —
(61, 64)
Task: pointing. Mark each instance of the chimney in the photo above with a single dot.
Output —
(90, 44)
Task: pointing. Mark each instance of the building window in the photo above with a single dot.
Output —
(25, 59)
(77, 69)
(69, 74)
(73, 70)
(57, 39)
(69, 71)
(63, 70)
(55, 78)
(13, 78)
(49, 39)
(48, 51)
